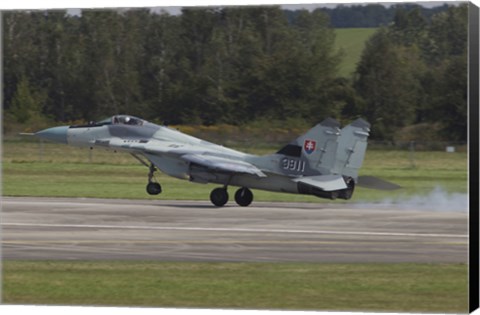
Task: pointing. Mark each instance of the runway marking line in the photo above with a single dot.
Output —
(285, 231)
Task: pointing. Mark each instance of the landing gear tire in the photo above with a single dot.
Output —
(219, 197)
(154, 188)
(244, 197)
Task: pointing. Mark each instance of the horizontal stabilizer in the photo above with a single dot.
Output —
(323, 182)
(376, 183)
(223, 164)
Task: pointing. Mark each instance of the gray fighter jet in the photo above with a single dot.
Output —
(323, 162)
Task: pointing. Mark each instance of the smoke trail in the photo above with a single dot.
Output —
(437, 200)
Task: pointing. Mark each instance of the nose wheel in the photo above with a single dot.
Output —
(153, 188)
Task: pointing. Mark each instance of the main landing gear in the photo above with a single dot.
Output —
(219, 196)
(243, 197)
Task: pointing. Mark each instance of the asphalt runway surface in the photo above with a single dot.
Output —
(163, 230)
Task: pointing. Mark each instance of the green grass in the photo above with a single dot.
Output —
(418, 175)
(63, 171)
(352, 42)
(339, 287)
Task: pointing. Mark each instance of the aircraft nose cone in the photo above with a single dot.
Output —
(56, 134)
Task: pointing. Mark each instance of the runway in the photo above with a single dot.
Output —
(163, 230)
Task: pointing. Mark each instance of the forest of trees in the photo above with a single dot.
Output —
(234, 65)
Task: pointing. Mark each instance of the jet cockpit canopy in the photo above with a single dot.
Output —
(122, 120)
(127, 120)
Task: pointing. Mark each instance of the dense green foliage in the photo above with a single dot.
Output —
(413, 72)
(234, 65)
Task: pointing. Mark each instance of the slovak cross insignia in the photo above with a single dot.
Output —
(309, 146)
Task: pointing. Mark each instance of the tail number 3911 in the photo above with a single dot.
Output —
(293, 165)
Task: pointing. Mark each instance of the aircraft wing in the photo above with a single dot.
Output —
(323, 182)
(188, 153)
(215, 163)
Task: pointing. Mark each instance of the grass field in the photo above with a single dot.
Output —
(352, 42)
(338, 287)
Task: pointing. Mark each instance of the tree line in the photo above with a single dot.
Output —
(234, 65)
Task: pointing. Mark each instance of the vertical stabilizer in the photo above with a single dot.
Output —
(351, 148)
(317, 148)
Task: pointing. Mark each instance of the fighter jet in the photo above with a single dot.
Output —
(323, 162)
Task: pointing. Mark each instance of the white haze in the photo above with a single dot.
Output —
(437, 200)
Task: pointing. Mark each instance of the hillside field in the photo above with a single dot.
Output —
(351, 41)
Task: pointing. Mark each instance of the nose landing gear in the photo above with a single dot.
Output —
(153, 187)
